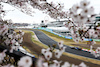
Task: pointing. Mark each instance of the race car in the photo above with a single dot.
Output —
(76, 48)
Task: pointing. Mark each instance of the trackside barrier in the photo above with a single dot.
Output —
(96, 39)
(16, 54)
(25, 52)
(51, 31)
(87, 50)
(67, 37)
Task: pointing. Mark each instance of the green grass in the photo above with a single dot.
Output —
(36, 41)
(68, 42)
(67, 54)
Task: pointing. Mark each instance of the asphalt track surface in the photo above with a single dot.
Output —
(48, 41)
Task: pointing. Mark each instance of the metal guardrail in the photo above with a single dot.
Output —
(25, 52)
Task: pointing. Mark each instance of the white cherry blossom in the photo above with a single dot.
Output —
(84, 3)
(58, 53)
(98, 50)
(43, 51)
(60, 44)
(48, 55)
(10, 36)
(91, 32)
(75, 7)
(62, 49)
(91, 47)
(21, 40)
(82, 64)
(66, 64)
(40, 61)
(8, 65)
(7, 41)
(2, 55)
(86, 12)
(45, 64)
(73, 65)
(25, 61)
(55, 64)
